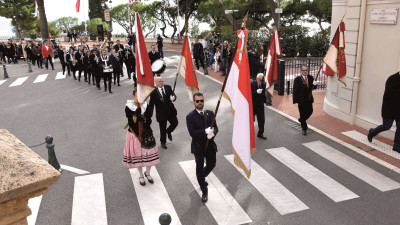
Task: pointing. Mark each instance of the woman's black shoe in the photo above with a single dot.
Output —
(150, 180)
(142, 183)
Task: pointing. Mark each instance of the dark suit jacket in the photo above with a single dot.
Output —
(301, 93)
(258, 99)
(391, 97)
(164, 107)
(198, 49)
(61, 56)
(114, 62)
(196, 125)
(154, 57)
(117, 47)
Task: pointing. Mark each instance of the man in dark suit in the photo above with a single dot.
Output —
(104, 63)
(198, 123)
(162, 98)
(258, 96)
(390, 110)
(160, 45)
(153, 55)
(119, 48)
(128, 58)
(303, 98)
(198, 53)
(62, 55)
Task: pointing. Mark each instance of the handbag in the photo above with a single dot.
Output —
(45, 60)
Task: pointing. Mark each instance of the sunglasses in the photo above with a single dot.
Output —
(197, 101)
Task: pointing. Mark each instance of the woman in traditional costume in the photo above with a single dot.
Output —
(140, 146)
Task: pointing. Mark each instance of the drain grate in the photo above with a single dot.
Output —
(296, 126)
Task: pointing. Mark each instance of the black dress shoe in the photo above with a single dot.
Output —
(396, 150)
(142, 183)
(163, 146)
(262, 137)
(304, 132)
(369, 136)
(151, 181)
(110, 92)
(169, 135)
(119, 85)
(204, 197)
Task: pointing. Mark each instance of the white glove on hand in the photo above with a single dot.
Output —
(259, 91)
(209, 136)
(171, 98)
(295, 104)
(209, 130)
(315, 83)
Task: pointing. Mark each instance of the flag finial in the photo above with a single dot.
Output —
(136, 4)
(244, 20)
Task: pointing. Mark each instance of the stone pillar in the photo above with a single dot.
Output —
(23, 175)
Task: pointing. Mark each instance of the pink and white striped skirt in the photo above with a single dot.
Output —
(136, 156)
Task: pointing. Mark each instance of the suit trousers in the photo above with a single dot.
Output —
(117, 73)
(49, 59)
(173, 123)
(259, 113)
(97, 74)
(107, 77)
(198, 58)
(90, 75)
(65, 65)
(305, 111)
(386, 125)
(203, 171)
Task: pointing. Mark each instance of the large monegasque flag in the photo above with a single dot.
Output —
(144, 73)
(238, 92)
(271, 64)
(77, 5)
(186, 69)
(335, 58)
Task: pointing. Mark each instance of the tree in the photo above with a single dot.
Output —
(187, 8)
(92, 25)
(44, 29)
(21, 14)
(294, 11)
(66, 22)
(96, 10)
(162, 12)
(321, 10)
(53, 29)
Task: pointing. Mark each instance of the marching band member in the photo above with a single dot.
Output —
(72, 61)
(107, 68)
(115, 61)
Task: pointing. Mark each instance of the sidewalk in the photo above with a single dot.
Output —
(167, 46)
(328, 124)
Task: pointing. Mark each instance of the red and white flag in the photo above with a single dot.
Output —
(186, 68)
(238, 92)
(335, 58)
(144, 74)
(327, 71)
(271, 64)
(78, 4)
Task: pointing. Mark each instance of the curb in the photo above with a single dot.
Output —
(335, 139)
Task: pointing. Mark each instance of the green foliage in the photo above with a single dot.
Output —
(96, 10)
(319, 44)
(161, 13)
(53, 30)
(290, 38)
(320, 11)
(21, 13)
(194, 29)
(79, 28)
(92, 25)
(66, 22)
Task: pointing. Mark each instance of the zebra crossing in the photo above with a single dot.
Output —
(35, 79)
(154, 199)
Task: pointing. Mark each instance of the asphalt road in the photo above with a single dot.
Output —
(87, 128)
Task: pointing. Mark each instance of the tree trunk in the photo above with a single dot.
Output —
(228, 16)
(320, 25)
(44, 29)
(272, 6)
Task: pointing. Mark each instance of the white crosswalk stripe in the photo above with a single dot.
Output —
(314, 176)
(2, 81)
(89, 204)
(60, 75)
(378, 145)
(34, 205)
(40, 78)
(280, 198)
(153, 199)
(352, 166)
(222, 205)
(18, 81)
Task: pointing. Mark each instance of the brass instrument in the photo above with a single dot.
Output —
(104, 43)
(73, 60)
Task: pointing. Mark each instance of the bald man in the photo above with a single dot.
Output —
(162, 98)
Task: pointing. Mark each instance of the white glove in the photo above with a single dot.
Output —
(295, 104)
(315, 83)
(259, 91)
(209, 136)
(209, 130)
(171, 98)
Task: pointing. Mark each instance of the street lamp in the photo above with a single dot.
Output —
(231, 11)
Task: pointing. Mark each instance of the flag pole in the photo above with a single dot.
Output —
(224, 84)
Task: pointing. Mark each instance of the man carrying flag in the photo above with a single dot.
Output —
(335, 59)
(186, 69)
(238, 92)
(271, 64)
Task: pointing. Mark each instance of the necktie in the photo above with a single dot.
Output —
(163, 92)
(306, 79)
(202, 113)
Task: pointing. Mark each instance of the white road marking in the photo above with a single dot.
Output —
(40, 78)
(74, 170)
(153, 198)
(89, 203)
(280, 198)
(378, 145)
(18, 81)
(314, 176)
(60, 75)
(34, 205)
(209, 77)
(352, 166)
(2, 81)
(222, 205)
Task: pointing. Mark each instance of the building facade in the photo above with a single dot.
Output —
(372, 48)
